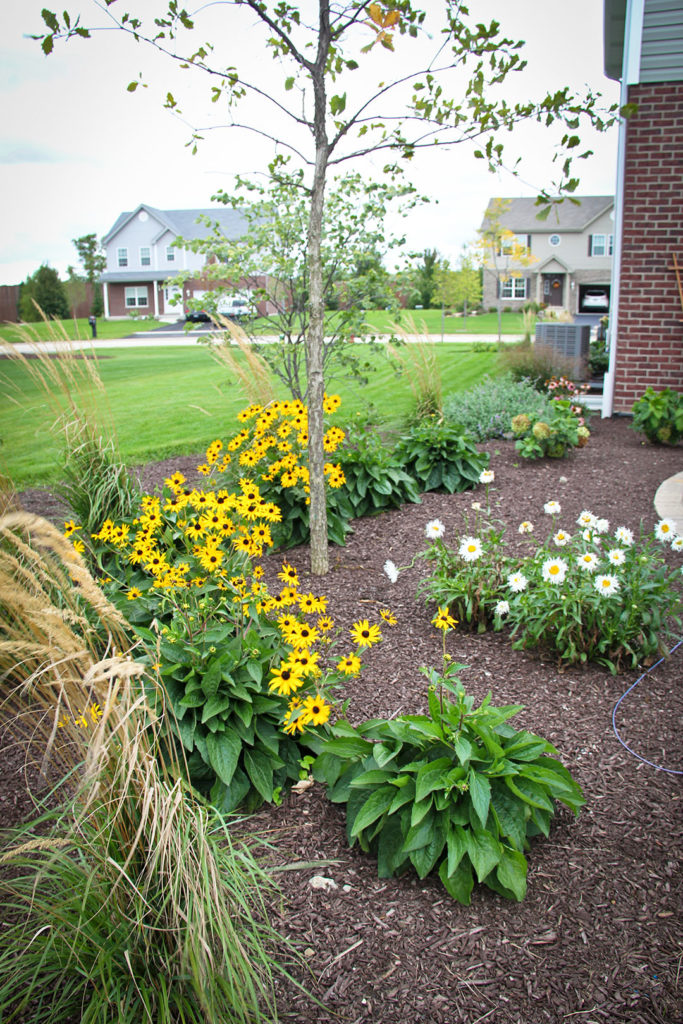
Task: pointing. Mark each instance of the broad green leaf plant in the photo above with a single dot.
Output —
(457, 791)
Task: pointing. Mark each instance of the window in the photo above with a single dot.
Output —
(513, 288)
(600, 245)
(509, 243)
(145, 256)
(122, 257)
(554, 240)
(136, 296)
(170, 254)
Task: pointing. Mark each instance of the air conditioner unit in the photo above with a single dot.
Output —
(571, 342)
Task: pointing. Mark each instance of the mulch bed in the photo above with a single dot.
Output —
(598, 937)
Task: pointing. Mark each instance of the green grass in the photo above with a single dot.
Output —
(486, 323)
(75, 329)
(176, 401)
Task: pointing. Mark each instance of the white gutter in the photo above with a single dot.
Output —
(630, 75)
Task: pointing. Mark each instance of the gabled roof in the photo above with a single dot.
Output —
(184, 222)
(521, 215)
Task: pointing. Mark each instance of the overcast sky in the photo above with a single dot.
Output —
(77, 148)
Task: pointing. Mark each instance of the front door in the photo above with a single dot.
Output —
(553, 289)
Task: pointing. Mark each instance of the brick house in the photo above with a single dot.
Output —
(142, 261)
(570, 255)
(643, 49)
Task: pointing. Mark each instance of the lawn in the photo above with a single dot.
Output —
(74, 329)
(176, 401)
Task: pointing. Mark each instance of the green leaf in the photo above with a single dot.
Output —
(389, 855)
(289, 83)
(260, 771)
(214, 706)
(483, 850)
(460, 883)
(374, 777)
(510, 813)
(511, 872)
(419, 835)
(337, 104)
(223, 750)
(480, 794)
(373, 808)
(424, 859)
(132, 86)
(431, 776)
(348, 746)
(456, 845)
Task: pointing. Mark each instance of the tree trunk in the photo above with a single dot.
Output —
(315, 336)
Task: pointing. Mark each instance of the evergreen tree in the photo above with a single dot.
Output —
(44, 290)
(93, 261)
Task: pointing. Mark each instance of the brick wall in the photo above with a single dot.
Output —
(650, 324)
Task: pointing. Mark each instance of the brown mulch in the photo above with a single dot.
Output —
(598, 938)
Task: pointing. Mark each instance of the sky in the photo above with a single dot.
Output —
(77, 148)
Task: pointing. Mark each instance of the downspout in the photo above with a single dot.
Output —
(630, 74)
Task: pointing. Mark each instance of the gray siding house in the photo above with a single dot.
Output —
(571, 255)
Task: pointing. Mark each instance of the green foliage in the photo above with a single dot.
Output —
(94, 484)
(440, 457)
(485, 411)
(93, 260)
(659, 415)
(535, 363)
(553, 437)
(457, 791)
(271, 262)
(375, 479)
(43, 294)
(585, 596)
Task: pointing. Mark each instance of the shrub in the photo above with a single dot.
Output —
(485, 410)
(457, 790)
(441, 457)
(375, 480)
(535, 363)
(553, 437)
(659, 415)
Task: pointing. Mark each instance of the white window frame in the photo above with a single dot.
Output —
(508, 244)
(122, 257)
(606, 245)
(513, 288)
(139, 294)
(145, 256)
(170, 254)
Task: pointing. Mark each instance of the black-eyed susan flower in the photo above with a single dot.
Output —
(70, 527)
(388, 616)
(316, 710)
(134, 593)
(444, 620)
(288, 574)
(312, 605)
(286, 679)
(365, 635)
(350, 665)
(325, 623)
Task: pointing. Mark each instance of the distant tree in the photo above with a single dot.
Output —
(502, 253)
(43, 291)
(93, 261)
(459, 289)
(425, 278)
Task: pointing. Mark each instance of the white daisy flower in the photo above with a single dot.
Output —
(624, 536)
(587, 535)
(434, 530)
(677, 543)
(561, 538)
(552, 508)
(502, 608)
(554, 570)
(476, 505)
(487, 476)
(616, 556)
(526, 527)
(587, 561)
(606, 584)
(602, 525)
(517, 582)
(391, 570)
(470, 549)
(586, 519)
(665, 530)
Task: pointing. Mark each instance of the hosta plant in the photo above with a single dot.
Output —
(659, 415)
(457, 791)
(375, 479)
(553, 437)
(441, 456)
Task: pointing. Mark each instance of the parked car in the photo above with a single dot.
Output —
(595, 298)
(234, 307)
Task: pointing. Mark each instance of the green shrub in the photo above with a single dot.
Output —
(441, 457)
(375, 480)
(659, 415)
(485, 411)
(457, 790)
(535, 363)
(553, 437)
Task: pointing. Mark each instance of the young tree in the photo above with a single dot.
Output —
(93, 260)
(503, 255)
(425, 277)
(269, 263)
(41, 294)
(333, 118)
(458, 289)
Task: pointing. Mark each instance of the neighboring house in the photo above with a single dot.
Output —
(142, 260)
(643, 49)
(570, 255)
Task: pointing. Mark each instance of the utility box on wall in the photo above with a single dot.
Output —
(571, 342)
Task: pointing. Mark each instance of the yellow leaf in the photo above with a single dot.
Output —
(392, 18)
(375, 12)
